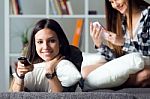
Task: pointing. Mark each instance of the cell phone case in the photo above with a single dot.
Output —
(104, 34)
(24, 61)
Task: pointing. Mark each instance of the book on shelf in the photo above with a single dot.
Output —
(52, 7)
(69, 6)
(60, 7)
(77, 33)
(16, 8)
(57, 6)
(65, 3)
(63, 6)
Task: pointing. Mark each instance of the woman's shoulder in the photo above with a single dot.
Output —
(65, 62)
(146, 11)
(145, 15)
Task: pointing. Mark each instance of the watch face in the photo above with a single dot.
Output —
(50, 76)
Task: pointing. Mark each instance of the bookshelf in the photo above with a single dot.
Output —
(34, 10)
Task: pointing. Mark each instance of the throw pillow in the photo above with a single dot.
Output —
(91, 58)
(115, 72)
(67, 73)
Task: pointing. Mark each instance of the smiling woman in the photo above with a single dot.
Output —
(54, 65)
(120, 5)
(47, 45)
(129, 32)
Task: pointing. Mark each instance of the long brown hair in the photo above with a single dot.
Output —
(114, 19)
(50, 24)
(71, 53)
(113, 23)
(137, 5)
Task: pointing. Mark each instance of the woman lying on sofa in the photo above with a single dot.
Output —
(128, 32)
(54, 65)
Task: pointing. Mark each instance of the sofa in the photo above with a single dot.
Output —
(125, 93)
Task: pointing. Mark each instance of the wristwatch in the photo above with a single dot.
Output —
(19, 76)
(50, 76)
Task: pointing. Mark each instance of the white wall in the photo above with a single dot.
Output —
(2, 76)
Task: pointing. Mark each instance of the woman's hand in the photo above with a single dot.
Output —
(95, 32)
(98, 33)
(114, 39)
(22, 69)
(50, 68)
(51, 65)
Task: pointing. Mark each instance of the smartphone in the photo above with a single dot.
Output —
(104, 34)
(99, 24)
(24, 60)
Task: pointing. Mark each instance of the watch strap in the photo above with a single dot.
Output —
(19, 76)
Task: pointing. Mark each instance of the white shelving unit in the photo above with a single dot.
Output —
(34, 10)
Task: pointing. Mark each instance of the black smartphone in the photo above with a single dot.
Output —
(24, 61)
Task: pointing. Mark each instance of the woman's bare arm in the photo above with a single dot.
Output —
(86, 70)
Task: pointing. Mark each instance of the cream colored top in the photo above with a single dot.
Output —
(36, 81)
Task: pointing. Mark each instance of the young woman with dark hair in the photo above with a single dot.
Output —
(48, 51)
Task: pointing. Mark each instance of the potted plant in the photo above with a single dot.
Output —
(25, 42)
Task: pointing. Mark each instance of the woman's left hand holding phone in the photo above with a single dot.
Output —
(23, 68)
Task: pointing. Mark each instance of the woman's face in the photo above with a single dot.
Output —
(120, 5)
(47, 44)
